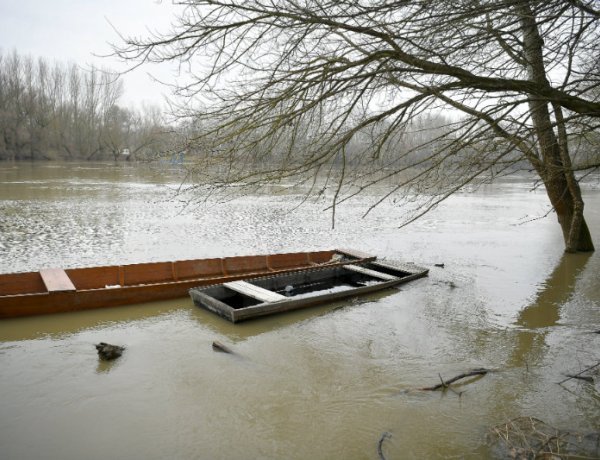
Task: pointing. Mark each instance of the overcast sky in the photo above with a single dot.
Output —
(77, 30)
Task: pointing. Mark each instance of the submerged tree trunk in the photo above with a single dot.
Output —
(559, 179)
(579, 238)
(569, 210)
(555, 170)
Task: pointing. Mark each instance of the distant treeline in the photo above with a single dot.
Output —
(57, 111)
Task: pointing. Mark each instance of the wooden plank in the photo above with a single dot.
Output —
(147, 273)
(321, 257)
(408, 267)
(21, 283)
(292, 303)
(93, 277)
(357, 254)
(368, 272)
(174, 270)
(248, 264)
(255, 292)
(57, 280)
(288, 260)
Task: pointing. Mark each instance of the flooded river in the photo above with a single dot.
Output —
(322, 383)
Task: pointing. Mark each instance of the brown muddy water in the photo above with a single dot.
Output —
(322, 383)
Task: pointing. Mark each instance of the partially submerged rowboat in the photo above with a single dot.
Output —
(57, 290)
(242, 300)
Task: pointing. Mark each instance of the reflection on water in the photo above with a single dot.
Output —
(106, 366)
(320, 383)
(544, 312)
(56, 326)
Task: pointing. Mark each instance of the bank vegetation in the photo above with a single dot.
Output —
(57, 111)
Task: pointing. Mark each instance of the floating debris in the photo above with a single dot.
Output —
(580, 376)
(446, 383)
(531, 438)
(384, 436)
(108, 352)
(218, 346)
(585, 378)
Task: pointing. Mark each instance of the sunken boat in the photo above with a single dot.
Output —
(242, 300)
(57, 290)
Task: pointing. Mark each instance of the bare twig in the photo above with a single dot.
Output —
(447, 383)
(577, 376)
(384, 436)
(585, 378)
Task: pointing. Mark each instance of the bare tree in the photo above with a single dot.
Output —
(301, 80)
(57, 112)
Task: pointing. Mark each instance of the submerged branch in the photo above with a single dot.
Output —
(218, 346)
(384, 436)
(578, 375)
(446, 383)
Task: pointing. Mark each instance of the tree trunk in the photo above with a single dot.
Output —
(569, 212)
(576, 241)
(556, 172)
(561, 185)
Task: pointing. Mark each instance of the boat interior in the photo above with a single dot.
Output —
(304, 284)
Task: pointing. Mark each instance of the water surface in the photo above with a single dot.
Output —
(320, 383)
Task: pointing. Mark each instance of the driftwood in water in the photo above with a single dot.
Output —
(585, 378)
(108, 352)
(384, 436)
(218, 346)
(580, 375)
(446, 383)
